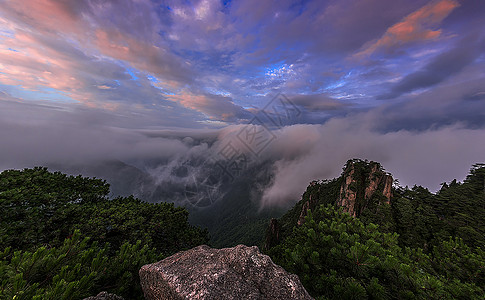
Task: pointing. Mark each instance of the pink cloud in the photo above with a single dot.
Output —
(142, 55)
(216, 107)
(34, 64)
(68, 46)
(46, 15)
(78, 21)
(417, 26)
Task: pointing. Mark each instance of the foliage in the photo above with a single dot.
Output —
(33, 200)
(337, 256)
(423, 219)
(75, 270)
(43, 208)
(316, 193)
(161, 226)
(416, 219)
(461, 206)
(44, 255)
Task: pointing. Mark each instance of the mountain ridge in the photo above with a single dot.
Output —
(366, 190)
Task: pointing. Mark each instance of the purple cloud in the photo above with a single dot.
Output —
(89, 80)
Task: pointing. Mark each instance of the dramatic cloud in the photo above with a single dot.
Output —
(441, 67)
(163, 85)
(319, 102)
(214, 106)
(417, 26)
(215, 55)
(311, 151)
(425, 158)
(147, 57)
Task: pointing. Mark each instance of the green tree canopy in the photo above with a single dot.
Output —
(61, 237)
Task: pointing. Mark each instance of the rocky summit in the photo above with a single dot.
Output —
(363, 185)
(240, 272)
(363, 181)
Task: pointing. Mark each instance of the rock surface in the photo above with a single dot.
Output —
(104, 296)
(307, 206)
(361, 182)
(362, 185)
(240, 272)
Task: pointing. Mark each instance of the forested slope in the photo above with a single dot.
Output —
(62, 238)
(354, 237)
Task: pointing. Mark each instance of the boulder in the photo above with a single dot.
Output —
(240, 272)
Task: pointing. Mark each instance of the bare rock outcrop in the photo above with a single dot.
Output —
(240, 272)
(361, 182)
(307, 206)
(348, 195)
(363, 186)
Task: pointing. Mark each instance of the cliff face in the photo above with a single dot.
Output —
(348, 195)
(363, 183)
(309, 205)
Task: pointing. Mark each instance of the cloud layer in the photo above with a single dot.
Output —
(295, 156)
(157, 84)
(216, 61)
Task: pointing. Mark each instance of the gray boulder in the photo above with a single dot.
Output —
(238, 273)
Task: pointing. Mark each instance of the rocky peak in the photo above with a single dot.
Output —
(362, 183)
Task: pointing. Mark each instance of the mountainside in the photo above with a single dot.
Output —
(358, 237)
(366, 191)
(363, 189)
(62, 237)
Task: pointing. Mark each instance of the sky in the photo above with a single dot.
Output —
(401, 82)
